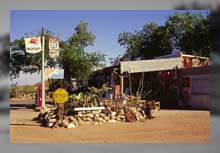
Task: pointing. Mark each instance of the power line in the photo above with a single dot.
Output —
(39, 32)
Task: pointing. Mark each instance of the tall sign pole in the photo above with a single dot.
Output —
(42, 70)
(37, 44)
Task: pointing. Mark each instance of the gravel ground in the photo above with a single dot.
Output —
(171, 126)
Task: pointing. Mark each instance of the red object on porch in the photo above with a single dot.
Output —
(186, 81)
(117, 92)
(39, 96)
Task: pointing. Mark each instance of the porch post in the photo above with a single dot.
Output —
(122, 84)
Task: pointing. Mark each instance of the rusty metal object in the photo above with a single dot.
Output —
(129, 116)
(106, 111)
(148, 113)
(149, 107)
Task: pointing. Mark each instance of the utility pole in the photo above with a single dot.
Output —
(42, 69)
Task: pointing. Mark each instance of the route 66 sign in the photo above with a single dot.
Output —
(53, 43)
(53, 47)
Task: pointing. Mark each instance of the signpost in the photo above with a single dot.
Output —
(37, 44)
(60, 96)
(42, 70)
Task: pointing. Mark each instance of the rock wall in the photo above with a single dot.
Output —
(96, 117)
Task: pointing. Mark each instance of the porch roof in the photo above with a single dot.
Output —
(150, 65)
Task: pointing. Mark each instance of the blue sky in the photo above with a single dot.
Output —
(106, 25)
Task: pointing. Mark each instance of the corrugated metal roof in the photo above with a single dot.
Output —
(150, 65)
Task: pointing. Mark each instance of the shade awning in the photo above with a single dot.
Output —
(150, 65)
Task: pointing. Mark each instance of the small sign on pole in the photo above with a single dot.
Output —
(33, 45)
(53, 47)
(60, 97)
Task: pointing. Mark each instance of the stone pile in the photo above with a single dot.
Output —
(48, 117)
(96, 117)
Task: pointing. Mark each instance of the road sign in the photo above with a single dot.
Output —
(60, 96)
(53, 47)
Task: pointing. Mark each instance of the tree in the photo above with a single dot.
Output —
(131, 43)
(96, 59)
(151, 41)
(76, 62)
(82, 37)
(73, 59)
(187, 32)
(190, 33)
(155, 41)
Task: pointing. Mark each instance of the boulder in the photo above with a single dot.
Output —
(100, 119)
(121, 116)
(83, 118)
(106, 118)
(130, 117)
(96, 115)
(102, 115)
(112, 121)
(80, 115)
(53, 116)
(113, 113)
(89, 119)
(50, 124)
(106, 111)
(95, 123)
(95, 118)
(71, 125)
(71, 118)
(99, 111)
(65, 123)
(112, 117)
(81, 123)
(53, 120)
(117, 119)
(90, 115)
(121, 111)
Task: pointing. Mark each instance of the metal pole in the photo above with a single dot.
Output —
(42, 70)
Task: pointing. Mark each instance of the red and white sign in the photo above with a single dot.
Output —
(33, 45)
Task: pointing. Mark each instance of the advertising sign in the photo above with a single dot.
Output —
(33, 45)
(53, 47)
(53, 73)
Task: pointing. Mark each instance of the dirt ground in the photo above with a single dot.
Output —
(171, 126)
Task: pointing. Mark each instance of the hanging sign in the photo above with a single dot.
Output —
(53, 73)
(33, 45)
(53, 47)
